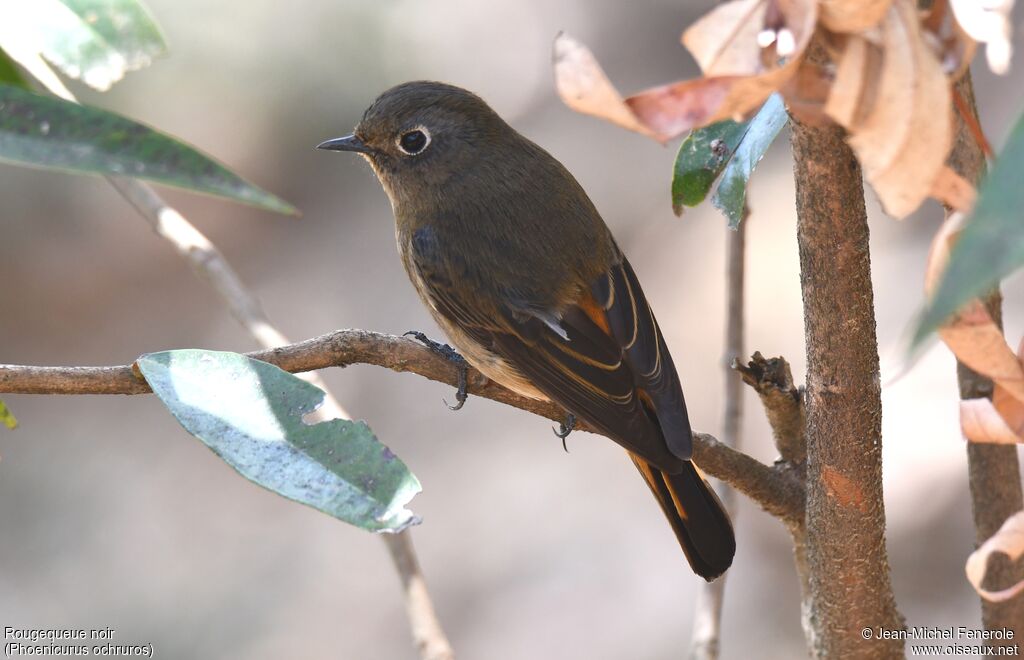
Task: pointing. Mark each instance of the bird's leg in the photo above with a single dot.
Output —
(450, 354)
(565, 428)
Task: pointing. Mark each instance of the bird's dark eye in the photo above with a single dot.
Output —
(414, 141)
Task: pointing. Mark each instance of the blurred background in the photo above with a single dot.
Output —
(112, 515)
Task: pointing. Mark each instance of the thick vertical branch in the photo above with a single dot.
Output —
(845, 515)
(708, 613)
(994, 470)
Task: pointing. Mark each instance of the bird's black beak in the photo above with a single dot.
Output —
(347, 143)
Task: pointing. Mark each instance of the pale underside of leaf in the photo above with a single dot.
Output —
(250, 414)
(1009, 540)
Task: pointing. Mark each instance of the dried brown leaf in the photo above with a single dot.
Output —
(981, 422)
(902, 130)
(953, 190)
(806, 93)
(1000, 420)
(739, 73)
(724, 41)
(978, 342)
(1009, 540)
(852, 15)
(584, 87)
(972, 335)
(670, 110)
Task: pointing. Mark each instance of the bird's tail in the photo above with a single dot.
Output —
(696, 514)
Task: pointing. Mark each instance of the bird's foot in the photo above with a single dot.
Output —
(565, 428)
(450, 354)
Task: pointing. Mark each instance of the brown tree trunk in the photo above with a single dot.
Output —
(993, 470)
(845, 517)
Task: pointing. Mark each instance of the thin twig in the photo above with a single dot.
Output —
(776, 489)
(210, 265)
(707, 619)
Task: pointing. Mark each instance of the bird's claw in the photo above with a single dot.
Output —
(450, 354)
(565, 428)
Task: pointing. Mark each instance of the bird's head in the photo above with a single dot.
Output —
(419, 135)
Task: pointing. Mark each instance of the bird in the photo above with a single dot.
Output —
(518, 268)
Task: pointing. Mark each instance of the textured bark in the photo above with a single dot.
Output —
(783, 403)
(994, 470)
(845, 516)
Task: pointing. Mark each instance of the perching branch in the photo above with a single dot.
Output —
(994, 470)
(707, 618)
(775, 488)
(210, 265)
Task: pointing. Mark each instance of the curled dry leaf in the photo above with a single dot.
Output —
(585, 88)
(980, 421)
(894, 100)
(999, 421)
(988, 22)
(852, 15)
(978, 342)
(1009, 540)
(953, 190)
(739, 73)
(971, 334)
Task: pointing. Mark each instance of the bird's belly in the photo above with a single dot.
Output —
(488, 363)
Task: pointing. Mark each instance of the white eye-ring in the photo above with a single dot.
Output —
(414, 140)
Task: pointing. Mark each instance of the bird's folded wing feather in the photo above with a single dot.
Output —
(595, 360)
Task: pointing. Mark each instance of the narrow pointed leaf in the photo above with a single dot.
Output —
(42, 131)
(9, 72)
(7, 417)
(731, 195)
(991, 244)
(250, 414)
(701, 158)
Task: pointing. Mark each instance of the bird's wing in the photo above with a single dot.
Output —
(629, 319)
(586, 356)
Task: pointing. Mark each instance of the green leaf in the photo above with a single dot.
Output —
(702, 157)
(42, 131)
(7, 417)
(731, 195)
(95, 41)
(250, 414)
(991, 244)
(9, 72)
(124, 24)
